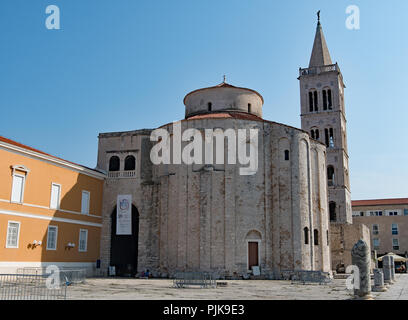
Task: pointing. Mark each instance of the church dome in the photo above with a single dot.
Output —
(221, 98)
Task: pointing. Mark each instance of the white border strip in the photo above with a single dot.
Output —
(36, 264)
(48, 208)
(49, 218)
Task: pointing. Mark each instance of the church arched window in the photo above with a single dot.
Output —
(130, 163)
(209, 106)
(329, 137)
(327, 99)
(315, 134)
(313, 100)
(316, 237)
(332, 211)
(114, 163)
(306, 234)
(330, 175)
(249, 108)
(286, 155)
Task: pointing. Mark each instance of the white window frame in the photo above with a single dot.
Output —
(393, 245)
(396, 224)
(395, 212)
(378, 240)
(377, 231)
(86, 240)
(22, 189)
(18, 234)
(59, 196)
(56, 237)
(89, 201)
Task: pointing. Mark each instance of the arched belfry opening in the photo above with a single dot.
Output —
(124, 248)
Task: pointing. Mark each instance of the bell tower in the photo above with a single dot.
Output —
(323, 117)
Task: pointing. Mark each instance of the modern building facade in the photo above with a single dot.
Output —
(50, 210)
(388, 223)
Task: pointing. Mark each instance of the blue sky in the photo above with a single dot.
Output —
(125, 65)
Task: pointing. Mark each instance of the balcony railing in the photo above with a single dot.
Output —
(121, 174)
(318, 70)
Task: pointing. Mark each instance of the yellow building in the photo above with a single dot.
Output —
(50, 210)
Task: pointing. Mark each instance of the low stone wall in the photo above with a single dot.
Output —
(342, 239)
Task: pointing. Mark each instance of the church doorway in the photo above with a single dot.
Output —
(124, 248)
(253, 254)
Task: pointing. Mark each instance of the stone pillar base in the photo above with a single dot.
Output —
(366, 297)
(379, 289)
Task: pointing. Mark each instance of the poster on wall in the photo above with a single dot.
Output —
(124, 215)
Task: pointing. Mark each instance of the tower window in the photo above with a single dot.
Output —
(329, 137)
(306, 234)
(286, 155)
(315, 134)
(327, 99)
(313, 101)
(114, 163)
(316, 237)
(330, 175)
(130, 163)
(249, 108)
(332, 211)
(209, 106)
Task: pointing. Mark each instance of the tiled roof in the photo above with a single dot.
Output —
(20, 145)
(234, 115)
(378, 202)
(223, 85)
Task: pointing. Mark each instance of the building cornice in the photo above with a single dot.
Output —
(53, 160)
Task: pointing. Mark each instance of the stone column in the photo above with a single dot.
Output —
(392, 268)
(387, 266)
(379, 281)
(360, 257)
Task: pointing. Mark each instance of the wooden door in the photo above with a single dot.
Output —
(252, 254)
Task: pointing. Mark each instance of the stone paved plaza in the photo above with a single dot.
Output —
(138, 289)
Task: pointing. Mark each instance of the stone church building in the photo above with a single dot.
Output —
(209, 217)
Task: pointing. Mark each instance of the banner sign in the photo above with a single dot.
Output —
(124, 215)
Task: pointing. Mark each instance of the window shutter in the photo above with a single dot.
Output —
(85, 203)
(17, 190)
(55, 196)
